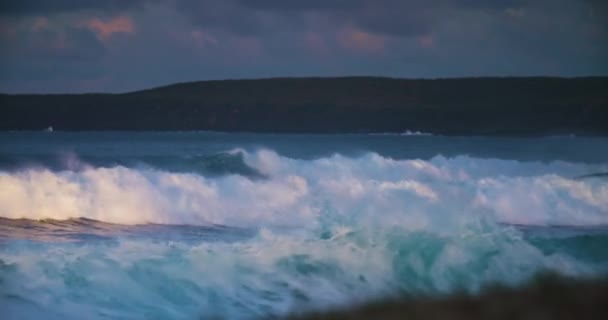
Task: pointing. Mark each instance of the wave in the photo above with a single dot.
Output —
(216, 164)
(260, 235)
(83, 230)
(264, 189)
(272, 273)
(403, 133)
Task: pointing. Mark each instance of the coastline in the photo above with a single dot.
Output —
(526, 106)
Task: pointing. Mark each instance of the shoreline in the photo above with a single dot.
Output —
(526, 106)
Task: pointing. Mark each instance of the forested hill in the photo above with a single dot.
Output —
(505, 106)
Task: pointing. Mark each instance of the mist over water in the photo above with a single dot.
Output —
(187, 225)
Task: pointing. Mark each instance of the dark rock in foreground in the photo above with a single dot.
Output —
(547, 297)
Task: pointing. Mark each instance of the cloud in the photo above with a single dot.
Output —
(81, 41)
(426, 41)
(226, 15)
(7, 30)
(361, 41)
(104, 29)
(273, 16)
(40, 23)
(389, 17)
(42, 54)
(33, 7)
(44, 41)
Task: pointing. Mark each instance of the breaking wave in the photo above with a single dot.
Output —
(262, 188)
(255, 234)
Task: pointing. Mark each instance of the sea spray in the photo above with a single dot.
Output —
(289, 192)
(106, 231)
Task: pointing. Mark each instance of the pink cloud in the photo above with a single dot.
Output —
(316, 43)
(7, 30)
(249, 46)
(60, 43)
(426, 41)
(202, 39)
(359, 40)
(105, 29)
(515, 13)
(40, 23)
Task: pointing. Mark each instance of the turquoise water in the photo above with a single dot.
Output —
(200, 225)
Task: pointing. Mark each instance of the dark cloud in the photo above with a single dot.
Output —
(312, 5)
(50, 58)
(227, 15)
(390, 17)
(25, 7)
(42, 40)
(291, 5)
(272, 16)
(113, 45)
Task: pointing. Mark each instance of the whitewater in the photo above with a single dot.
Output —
(191, 225)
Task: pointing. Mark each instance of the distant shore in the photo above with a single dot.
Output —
(467, 106)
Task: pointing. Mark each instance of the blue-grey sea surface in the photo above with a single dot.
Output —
(196, 225)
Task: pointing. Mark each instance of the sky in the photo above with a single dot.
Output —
(73, 46)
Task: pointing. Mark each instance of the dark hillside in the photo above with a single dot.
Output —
(513, 106)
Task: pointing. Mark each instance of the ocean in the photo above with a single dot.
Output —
(199, 225)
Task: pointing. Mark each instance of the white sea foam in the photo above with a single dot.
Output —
(404, 133)
(367, 189)
(271, 274)
(360, 229)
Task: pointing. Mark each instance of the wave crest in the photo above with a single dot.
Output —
(370, 189)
